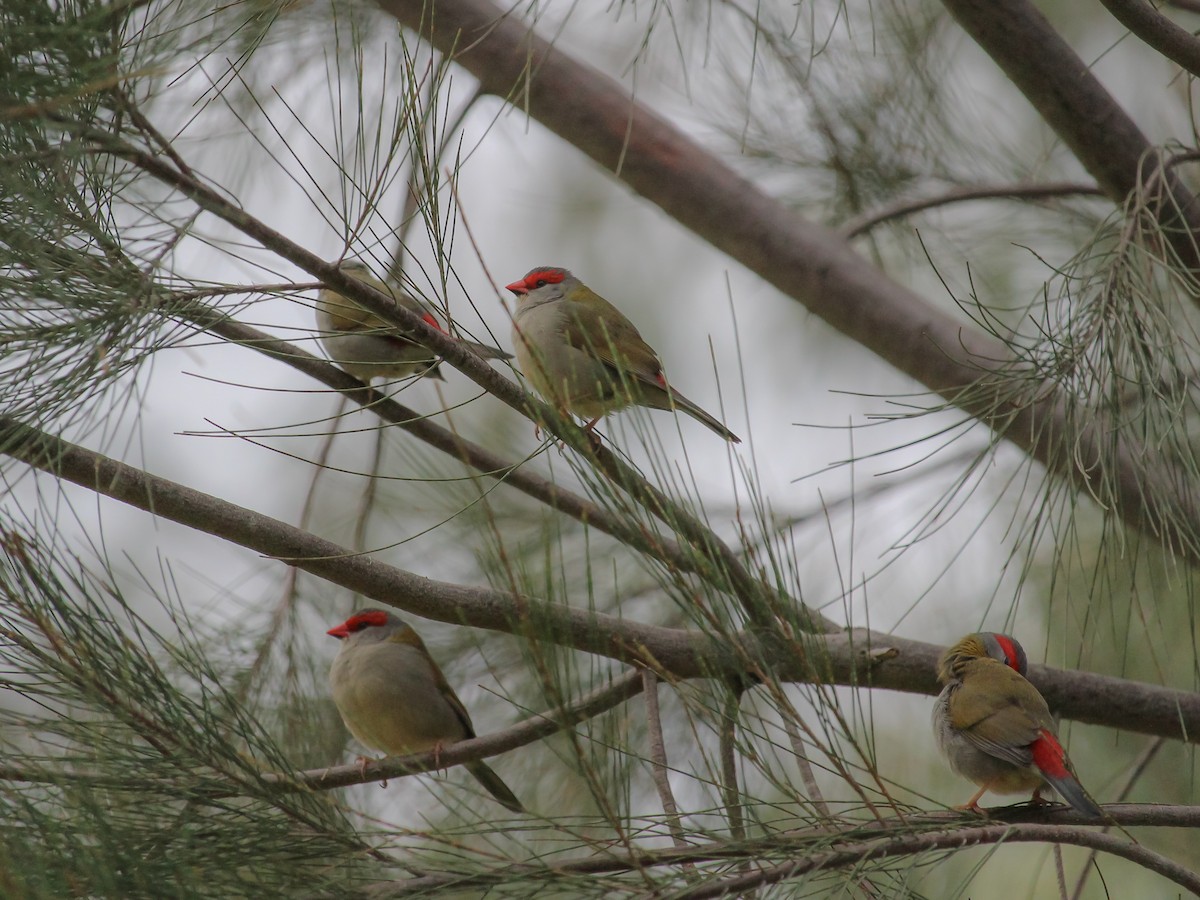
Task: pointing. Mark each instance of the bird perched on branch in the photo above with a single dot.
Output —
(364, 345)
(394, 698)
(584, 356)
(996, 729)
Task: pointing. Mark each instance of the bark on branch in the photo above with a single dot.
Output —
(858, 657)
(972, 370)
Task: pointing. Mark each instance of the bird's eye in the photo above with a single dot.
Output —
(541, 282)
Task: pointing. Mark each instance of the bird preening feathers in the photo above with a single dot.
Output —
(994, 727)
(394, 698)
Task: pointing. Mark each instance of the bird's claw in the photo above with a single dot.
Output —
(362, 770)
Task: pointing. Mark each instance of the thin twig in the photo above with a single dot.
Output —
(535, 728)
(900, 208)
(907, 845)
(813, 849)
(730, 793)
(659, 770)
(1135, 772)
(1060, 873)
(811, 788)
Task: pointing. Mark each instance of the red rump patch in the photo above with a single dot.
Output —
(1049, 756)
(430, 320)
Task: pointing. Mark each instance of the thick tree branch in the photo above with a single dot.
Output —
(760, 601)
(972, 370)
(858, 657)
(1177, 44)
(1082, 113)
(484, 461)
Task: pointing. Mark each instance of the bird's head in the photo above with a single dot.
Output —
(984, 645)
(371, 625)
(542, 284)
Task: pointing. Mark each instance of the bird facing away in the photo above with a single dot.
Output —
(394, 698)
(362, 344)
(995, 729)
(584, 356)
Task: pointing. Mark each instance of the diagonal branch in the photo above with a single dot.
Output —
(860, 224)
(761, 602)
(483, 460)
(811, 850)
(856, 853)
(1175, 43)
(813, 265)
(857, 658)
(1082, 113)
(534, 728)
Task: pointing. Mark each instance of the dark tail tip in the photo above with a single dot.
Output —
(495, 786)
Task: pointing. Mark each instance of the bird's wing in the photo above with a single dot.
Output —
(447, 692)
(346, 315)
(998, 720)
(600, 331)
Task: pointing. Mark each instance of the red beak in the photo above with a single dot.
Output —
(517, 287)
(341, 631)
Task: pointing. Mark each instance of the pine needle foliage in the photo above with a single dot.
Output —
(139, 774)
(153, 749)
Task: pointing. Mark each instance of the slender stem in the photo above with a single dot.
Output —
(659, 768)
(854, 854)
(731, 795)
(1135, 772)
(805, 766)
(815, 849)
(901, 208)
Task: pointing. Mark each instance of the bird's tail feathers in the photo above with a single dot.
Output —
(701, 416)
(1072, 791)
(495, 786)
(1051, 760)
(488, 352)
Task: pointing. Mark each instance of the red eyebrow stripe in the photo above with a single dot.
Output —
(550, 276)
(1011, 657)
(373, 617)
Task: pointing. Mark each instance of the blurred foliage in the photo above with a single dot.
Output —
(138, 718)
